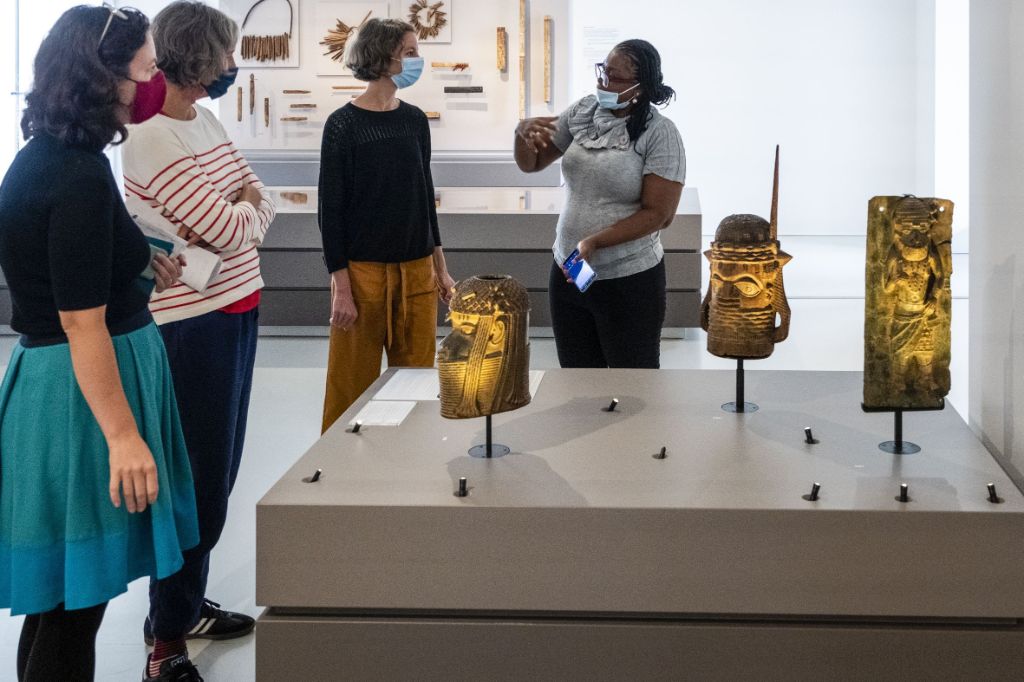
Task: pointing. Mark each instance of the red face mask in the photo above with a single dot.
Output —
(149, 98)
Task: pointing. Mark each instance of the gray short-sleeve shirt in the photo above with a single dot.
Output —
(604, 181)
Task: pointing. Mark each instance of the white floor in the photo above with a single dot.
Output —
(284, 420)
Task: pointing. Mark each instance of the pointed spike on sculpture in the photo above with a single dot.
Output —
(774, 221)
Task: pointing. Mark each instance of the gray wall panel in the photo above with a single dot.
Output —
(311, 308)
(448, 170)
(293, 231)
(302, 269)
(491, 231)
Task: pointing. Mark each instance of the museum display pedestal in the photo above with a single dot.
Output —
(584, 553)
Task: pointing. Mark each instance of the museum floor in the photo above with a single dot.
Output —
(284, 421)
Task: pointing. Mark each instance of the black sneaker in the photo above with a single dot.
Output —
(177, 669)
(214, 623)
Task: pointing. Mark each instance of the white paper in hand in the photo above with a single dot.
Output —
(201, 266)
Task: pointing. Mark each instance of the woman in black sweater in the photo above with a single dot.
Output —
(378, 222)
(95, 486)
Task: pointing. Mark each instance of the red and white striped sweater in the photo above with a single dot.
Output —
(191, 171)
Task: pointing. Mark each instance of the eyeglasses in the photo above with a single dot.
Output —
(114, 12)
(601, 71)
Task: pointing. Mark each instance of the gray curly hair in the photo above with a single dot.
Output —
(192, 42)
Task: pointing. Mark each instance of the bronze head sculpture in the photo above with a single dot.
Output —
(484, 363)
(908, 302)
(745, 311)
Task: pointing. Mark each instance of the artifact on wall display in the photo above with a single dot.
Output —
(433, 115)
(298, 198)
(337, 38)
(294, 119)
(430, 21)
(463, 89)
(266, 112)
(267, 32)
(522, 60)
(297, 92)
(484, 363)
(454, 66)
(547, 59)
(239, 104)
(907, 303)
(302, 106)
(252, 94)
(337, 24)
(502, 42)
(745, 311)
(360, 88)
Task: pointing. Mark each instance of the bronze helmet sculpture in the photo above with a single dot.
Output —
(484, 363)
(745, 311)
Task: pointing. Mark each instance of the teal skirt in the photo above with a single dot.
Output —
(62, 541)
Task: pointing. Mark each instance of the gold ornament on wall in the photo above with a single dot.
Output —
(338, 37)
(502, 45)
(745, 311)
(267, 48)
(908, 302)
(427, 18)
(484, 363)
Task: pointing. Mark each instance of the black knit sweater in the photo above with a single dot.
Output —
(376, 193)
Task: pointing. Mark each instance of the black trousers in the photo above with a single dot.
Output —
(615, 323)
(59, 645)
(211, 358)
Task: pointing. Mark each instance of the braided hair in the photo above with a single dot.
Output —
(652, 88)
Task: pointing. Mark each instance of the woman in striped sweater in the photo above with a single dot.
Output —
(183, 163)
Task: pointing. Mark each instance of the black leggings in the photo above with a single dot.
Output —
(59, 645)
(615, 323)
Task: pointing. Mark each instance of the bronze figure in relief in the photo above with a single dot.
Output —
(908, 303)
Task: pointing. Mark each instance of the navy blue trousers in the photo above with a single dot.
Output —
(615, 323)
(211, 358)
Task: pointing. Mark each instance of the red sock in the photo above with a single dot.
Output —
(163, 650)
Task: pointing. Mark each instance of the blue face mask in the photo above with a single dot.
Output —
(610, 100)
(219, 87)
(412, 67)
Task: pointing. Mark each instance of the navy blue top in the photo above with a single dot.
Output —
(67, 241)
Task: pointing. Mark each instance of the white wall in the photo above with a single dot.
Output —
(952, 112)
(468, 122)
(10, 109)
(835, 82)
(997, 239)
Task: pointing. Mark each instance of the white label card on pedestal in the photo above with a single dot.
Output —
(384, 413)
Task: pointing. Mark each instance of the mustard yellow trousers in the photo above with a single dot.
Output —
(396, 306)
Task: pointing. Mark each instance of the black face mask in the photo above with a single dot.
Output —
(219, 87)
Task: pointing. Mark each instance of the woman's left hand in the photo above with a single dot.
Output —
(586, 249)
(445, 284)
(167, 270)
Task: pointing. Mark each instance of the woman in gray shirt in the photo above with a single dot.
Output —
(624, 168)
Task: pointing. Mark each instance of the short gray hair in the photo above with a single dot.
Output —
(370, 55)
(192, 41)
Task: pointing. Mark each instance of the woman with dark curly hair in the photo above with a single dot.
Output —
(95, 484)
(624, 168)
(381, 243)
